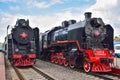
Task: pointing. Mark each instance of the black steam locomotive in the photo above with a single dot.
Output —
(87, 44)
(22, 44)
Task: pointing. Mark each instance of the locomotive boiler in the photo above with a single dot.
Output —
(22, 44)
(87, 44)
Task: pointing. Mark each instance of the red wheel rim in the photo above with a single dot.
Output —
(65, 63)
(87, 66)
(72, 66)
(52, 58)
(56, 60)
(60, 61)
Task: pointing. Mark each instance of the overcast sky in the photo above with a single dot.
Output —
(46, 14)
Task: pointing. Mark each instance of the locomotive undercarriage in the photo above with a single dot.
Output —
(23, 62)
(70, 54)
(96, 67)
(99, 62)
(63, 54)
(65, 60)
(20, 60)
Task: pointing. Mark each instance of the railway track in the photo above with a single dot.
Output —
(31, 73)
(103, 76)
(108, 76)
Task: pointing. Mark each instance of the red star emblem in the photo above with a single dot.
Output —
(23, 35)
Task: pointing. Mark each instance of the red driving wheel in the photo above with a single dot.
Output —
(60, 61)
(52, 58)
(71, 65)
(65, 62)
(87, 66)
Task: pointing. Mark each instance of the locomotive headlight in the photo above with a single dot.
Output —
(16, 50)
(31, 50)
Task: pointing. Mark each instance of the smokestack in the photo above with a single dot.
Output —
(88, 15)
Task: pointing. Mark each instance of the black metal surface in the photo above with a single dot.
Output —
(16, 33)
(108, 41)
(37, 42)
(83, 31)
(105, 60)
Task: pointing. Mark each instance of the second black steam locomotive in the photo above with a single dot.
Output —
(87, 44)
(22, 44)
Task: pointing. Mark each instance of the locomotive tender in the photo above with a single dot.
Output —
(87, 44)
(22, 44)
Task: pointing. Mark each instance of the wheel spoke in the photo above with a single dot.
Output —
(52, 58)
(65, 62)
(87, 66)
(72, 66)
(60, 61)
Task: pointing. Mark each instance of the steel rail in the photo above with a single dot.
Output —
(42, 73)
(19, 74)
